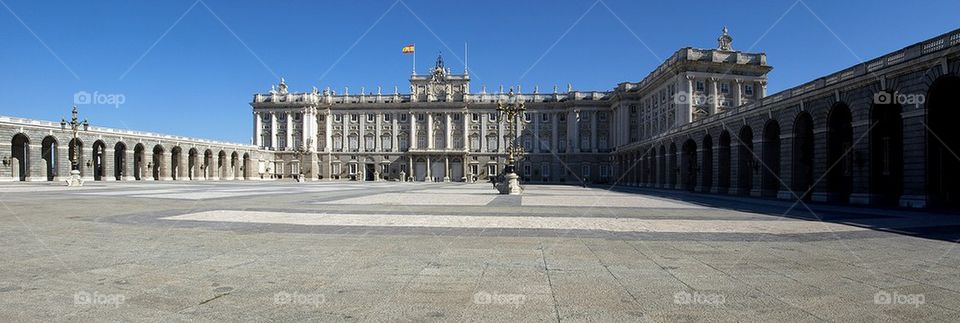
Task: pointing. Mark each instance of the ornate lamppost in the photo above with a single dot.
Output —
(75, 125)
(511, 112)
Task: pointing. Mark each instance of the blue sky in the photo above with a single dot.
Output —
(189, 67)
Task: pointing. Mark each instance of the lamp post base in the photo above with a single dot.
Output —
(510, 185)
(74, 180)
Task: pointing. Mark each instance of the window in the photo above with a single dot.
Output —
(336, 169)
(475, 142)
(748, 89)
(604, 171)
(584, 142)
(526, 117)
(544, 117)
(700, 86)
(353, 169)
(420, 117)
(492, 117)
(371, 117)
(563, 117)
(562, 144)
(368, 143)
(338, 143)
(457, 142)
(337, 117)
(321, 117)
(585, 171)
(585, 116)
(475, 117)
(402, 142)
(545, 170)
(354, 143)
(724, 87)
(603, 116)
(527, 170)
(492, 170)
(296, 117)
(387, 117)
(403, 117)
(456, 117)
(422, 141)
(474, 169)
(492, 143)
(354, 117)
(386, 143)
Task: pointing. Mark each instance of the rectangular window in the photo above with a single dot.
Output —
(387, 117)
(544, 117)
(527, 170)
(371, 117)
(748, 89)
(492, 117)
(354, 117)
(724, 88)
(603, 116)
(475, 117)
(336, 169)
(563, 117)
(492, 170)
(353, 169)
(338, 117)
(604, 171)
(526, 117)
(420, 117)
(456, 117)
(403, 117)
(700, 86)
(545, 170)
(585, 116)
(585, 170)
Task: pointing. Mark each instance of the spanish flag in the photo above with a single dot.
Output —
(409, 49)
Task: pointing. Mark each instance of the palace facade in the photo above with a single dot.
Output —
(878, 132)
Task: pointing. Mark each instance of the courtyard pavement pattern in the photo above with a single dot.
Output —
(388, 251)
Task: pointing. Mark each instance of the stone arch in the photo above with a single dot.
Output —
(802, 177)
(839, 153)
(235, 168)
(51, 156)
(138, 161)
(221, 165)
(98, 153)
(176, 155)
(157, 168)
(247, 166)
(747, 160)
(723, 163)
(119, 161)
(207, 164)
(770, 150)
(20, 157)
(688, 165)
(943, 142)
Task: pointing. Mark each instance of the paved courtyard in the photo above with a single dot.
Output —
(388, 251)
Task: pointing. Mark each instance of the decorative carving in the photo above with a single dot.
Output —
(725, 42)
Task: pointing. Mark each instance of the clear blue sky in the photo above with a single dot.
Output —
(193, 71)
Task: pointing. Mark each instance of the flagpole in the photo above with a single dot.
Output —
(414, 58)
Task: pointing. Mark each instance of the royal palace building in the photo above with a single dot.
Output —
(879, 132)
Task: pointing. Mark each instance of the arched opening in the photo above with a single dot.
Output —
(943, 142)
(839, 154)
(246, 166)
(706, 166)
(192, 164)
(221, 165)
(50, 156)
(20, 154)
(802, 180)
(723, 163)
(75, 154)
(746, 159)
(770, 180)
(157, 162)
(420, 169)
(688, 165)
(119, 161)
(672, 169)
(99, 151)
(175, 155)
(138, 160)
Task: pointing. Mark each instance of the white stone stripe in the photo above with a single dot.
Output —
(519, 222)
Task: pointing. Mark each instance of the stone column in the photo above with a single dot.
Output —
(327, 136)
(594, 115)
(395, 127)
(554, 135)
(413, 135)
(447, 132)
(536, 132)
(130, 164)
(466, 132)
(738, 93)
(430, 132)
(362, 136)
(377, 145)
(429, 177)
(109, 173)
(483, 133)
(273, 130)
(573, 133)
(257, 130)
(289, 131)
(714, 96)
(446, 167)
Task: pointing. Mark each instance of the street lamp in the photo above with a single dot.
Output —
(75, 125)
(511, 112)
